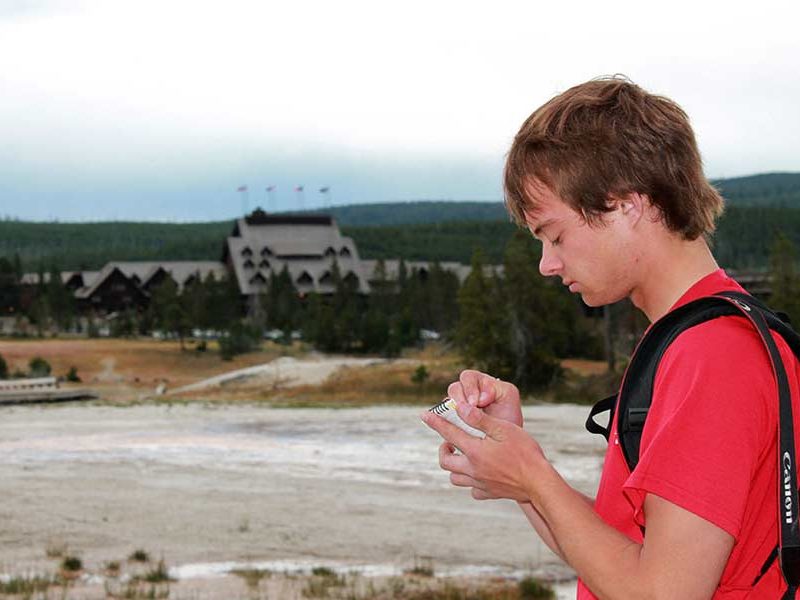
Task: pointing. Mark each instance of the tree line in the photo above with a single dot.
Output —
(740, 240)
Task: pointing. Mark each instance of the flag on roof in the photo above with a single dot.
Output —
(241, 188)
(324, 190)
(270, 188)
(299, 188)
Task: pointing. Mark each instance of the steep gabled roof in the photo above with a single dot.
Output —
(299, 242)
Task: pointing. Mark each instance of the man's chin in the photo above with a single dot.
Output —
(596, 300)
(593, 300)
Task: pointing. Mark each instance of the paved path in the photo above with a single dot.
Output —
(285, 371)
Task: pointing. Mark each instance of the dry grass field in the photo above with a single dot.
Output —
(125, 370)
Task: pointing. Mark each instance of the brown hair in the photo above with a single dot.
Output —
(608, 138)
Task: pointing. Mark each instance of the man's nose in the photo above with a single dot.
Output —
(549, 264)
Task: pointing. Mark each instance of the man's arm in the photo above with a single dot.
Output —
(683, 555)
(542, 528)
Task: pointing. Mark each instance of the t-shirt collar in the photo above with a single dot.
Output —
(714, 282)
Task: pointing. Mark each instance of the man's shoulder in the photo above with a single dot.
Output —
(728, 338)
(728, 335)
(725, 353)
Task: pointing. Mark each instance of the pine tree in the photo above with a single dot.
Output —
(9, 287)
(538, 319)
(785, 278)
(59, 299)
(480, 332)
(169, 311)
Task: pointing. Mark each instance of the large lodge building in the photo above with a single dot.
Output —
(260, 244)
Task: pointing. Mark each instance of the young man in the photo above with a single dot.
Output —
(608, 177)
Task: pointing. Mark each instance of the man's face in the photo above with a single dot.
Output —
(596, 261)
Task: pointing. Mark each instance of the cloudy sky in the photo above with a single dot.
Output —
(160, 110)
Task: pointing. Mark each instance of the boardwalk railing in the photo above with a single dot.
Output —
(39, 390)
(24, 385)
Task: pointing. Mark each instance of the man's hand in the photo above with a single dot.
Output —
(497, 398)
(498, 466)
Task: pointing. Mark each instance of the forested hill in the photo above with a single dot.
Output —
(758, 208)
(767, 189)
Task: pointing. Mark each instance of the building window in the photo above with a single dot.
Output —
(305, 279)
(248, 264)
(330, 252)
(247, 252)
(258, 279)
(264, 264)
(344, 252)
(326, 278)
(265, 251)
(351, 278)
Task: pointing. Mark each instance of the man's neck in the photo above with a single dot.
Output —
(669, 270)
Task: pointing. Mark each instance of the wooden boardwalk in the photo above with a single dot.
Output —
(41, 390)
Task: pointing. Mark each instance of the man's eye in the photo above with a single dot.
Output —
(556, 241)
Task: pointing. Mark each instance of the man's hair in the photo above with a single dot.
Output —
(607, 138)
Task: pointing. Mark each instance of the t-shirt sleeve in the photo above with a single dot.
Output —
(708, 425)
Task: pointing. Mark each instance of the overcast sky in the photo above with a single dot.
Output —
(160, 110)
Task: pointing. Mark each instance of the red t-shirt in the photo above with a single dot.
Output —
(709, 444)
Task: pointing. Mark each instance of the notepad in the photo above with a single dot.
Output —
(447, 410)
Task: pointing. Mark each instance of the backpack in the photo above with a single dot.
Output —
(635, 395)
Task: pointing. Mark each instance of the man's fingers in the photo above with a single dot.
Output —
(478, 419)
(456, 391)
(470, 382)
(461, 480)
(460, 439)
(490, 390)
(479, 494)
(450, 461)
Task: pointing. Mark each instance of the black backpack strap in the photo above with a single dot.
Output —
(636, 393)
(788, 505)
(606, 404)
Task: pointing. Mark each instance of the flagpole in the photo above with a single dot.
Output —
(300, 196)
(326, 197)
(242, 189)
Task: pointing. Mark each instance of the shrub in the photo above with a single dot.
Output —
(113, 568)
(71, 564)
(72, 375)
(533, 589)
(323, 572)
(3, 368)
(139, 556)
(420, 376)
(159, 574)
(239, 339)
(39, 367)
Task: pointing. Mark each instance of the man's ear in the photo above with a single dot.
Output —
(632, 206)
